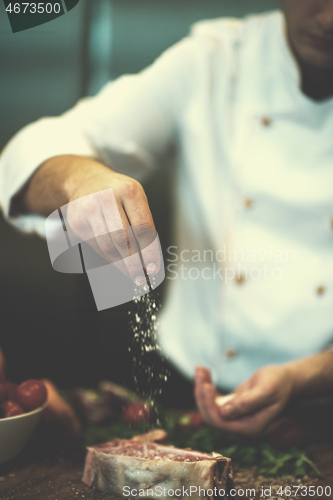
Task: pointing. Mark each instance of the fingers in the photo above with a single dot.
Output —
(103, 242)
(138, 213)
(268, 387)
(120, 235)
(250, 425)
(131, 227)
(246, 413)
(146, 237)
(222, 400)
(99, 221)
(117, 227)
(246, 403)
(59, 412)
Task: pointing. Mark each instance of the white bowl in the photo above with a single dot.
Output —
(16, 431)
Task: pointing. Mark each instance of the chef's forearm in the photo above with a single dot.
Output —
(54, 183)
(313, 375)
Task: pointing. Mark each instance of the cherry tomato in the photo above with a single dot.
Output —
(11, 409)
(31, 394)
(286, 433)
(3, 393)
(136, 413)
(11, 391)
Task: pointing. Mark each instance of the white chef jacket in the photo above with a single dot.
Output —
(254, 186)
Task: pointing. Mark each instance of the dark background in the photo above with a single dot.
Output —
(49, 324)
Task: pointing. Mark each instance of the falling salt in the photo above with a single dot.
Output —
(149, 370)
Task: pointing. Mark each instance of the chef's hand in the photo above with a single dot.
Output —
(102, 206)
(254, 405)
(103, 219)
(58, 412)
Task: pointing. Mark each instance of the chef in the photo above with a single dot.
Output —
(248, 106)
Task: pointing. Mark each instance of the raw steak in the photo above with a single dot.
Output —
(141, 467)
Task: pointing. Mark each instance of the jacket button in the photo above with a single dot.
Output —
(266, 121)
(248, 203)
(240, 279)
(230, 353)
(321, 290)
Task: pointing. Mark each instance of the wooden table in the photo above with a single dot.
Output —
(47, 471)
(54, 473)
